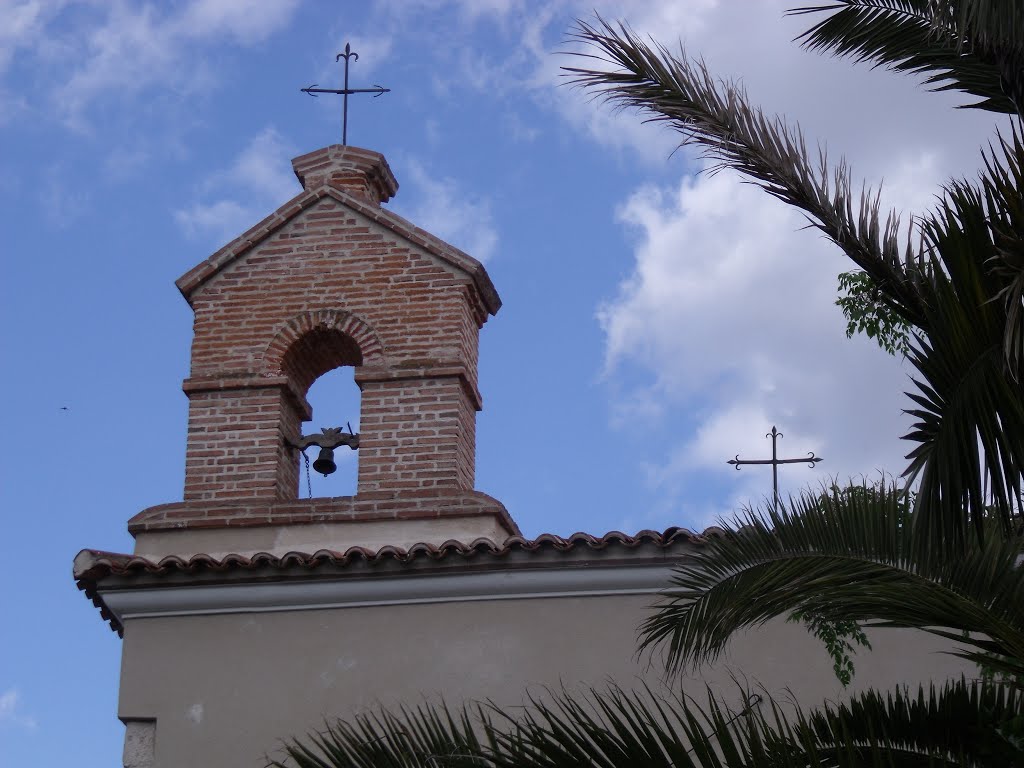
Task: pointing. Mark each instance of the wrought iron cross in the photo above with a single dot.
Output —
(344, 92)
(811, 460)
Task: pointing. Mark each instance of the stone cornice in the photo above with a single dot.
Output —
(301, 595)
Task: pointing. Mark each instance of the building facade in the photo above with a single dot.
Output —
(249, 615)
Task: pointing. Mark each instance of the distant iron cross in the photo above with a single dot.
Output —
(344, 92)
(810, 460)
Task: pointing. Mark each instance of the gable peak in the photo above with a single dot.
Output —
(360, 172)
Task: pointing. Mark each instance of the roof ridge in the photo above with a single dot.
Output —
(189, 282)
(91, 562)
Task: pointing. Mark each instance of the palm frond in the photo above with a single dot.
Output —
(717, 117)
(973, 46)
(968, 368)
(965, 723)
(961, 724)
(1002, 184)
(841, 556)
(426, 735)
(966, 284)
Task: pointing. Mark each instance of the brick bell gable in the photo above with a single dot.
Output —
(332, 279)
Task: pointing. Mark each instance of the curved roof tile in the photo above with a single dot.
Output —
(93, 566)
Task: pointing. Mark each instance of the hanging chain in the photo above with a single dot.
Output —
(309, 485)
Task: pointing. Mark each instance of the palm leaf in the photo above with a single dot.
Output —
(965, 45)
(961, 724)
(968, 366)
(964, 723)
(404, 738)
(962, 291)
(1002, 183)
(717, 117)
(841, 556)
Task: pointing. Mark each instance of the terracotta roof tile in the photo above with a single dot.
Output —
(98, 564)
(93, 566)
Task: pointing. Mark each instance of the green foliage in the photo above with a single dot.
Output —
(843, 557)
(840, 638)
(866, 313)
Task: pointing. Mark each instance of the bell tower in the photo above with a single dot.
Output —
(330, 279)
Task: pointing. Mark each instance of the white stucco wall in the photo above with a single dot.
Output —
(225, 689)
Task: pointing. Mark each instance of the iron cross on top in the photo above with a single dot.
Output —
(344, 92)
(810, 460)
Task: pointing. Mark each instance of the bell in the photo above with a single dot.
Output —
(324, 463)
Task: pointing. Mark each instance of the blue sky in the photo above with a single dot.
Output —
(655, 322)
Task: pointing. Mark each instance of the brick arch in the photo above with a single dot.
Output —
(312, 343)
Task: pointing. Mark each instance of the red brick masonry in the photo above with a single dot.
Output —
(378, 505)
(332, 279)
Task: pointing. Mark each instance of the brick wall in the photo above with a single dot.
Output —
(414, 434)
(333, 280)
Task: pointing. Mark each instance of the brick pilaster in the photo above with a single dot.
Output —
(417, 432)
(239, 432)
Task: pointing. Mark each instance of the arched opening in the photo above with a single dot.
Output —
(321, 363)
(317, 351)
(335, 400)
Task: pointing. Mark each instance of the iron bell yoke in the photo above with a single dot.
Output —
(328, 439)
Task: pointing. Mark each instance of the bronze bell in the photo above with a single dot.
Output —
(324, 463)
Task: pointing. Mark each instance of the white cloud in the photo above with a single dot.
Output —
(126, 162)
(439, 206)
(373, 51)
(129, 48)
(467, 63)
(10, 710)
(730, 308)
(258, 181)
(475, 8)
(133, 48)
(670, 22)
(62, 200)
(8, 701)
(248, 21)
(263, 168)
(22, 29)
(468, 10)
(220, 218)
(847, 105)
(23, 23)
